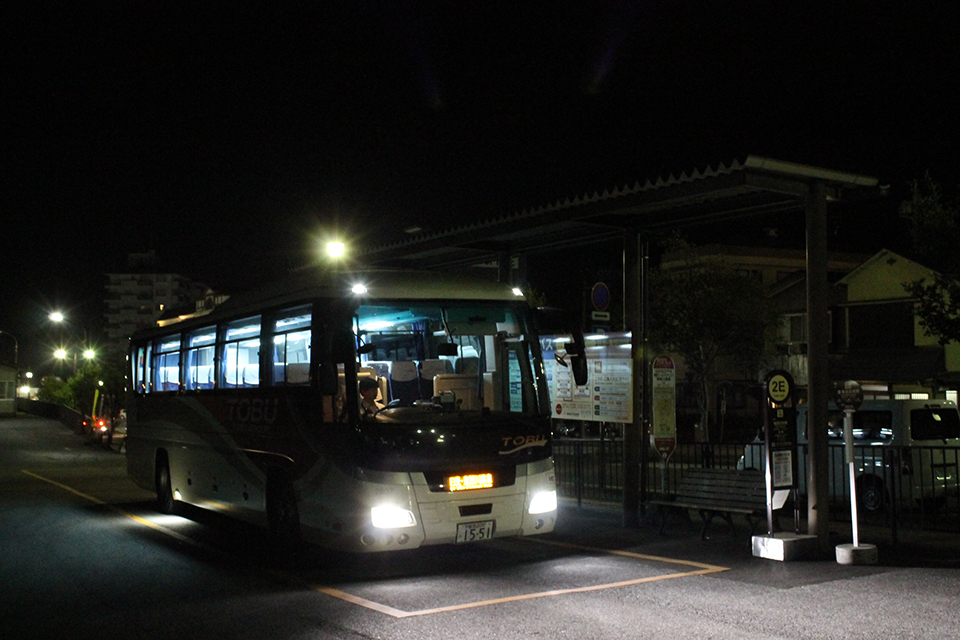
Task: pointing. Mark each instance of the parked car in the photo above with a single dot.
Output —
(918, 440)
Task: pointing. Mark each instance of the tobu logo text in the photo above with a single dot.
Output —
(254, 410)
(521, 442)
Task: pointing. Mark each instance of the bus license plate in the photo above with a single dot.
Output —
(474, 531)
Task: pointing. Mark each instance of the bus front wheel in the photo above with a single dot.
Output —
(282, 512)
(165, 500)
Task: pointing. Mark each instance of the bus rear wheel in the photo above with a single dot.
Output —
(165, 499)
(283, 515)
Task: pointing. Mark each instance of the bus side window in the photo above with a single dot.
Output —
(240, 354)
(290, 353)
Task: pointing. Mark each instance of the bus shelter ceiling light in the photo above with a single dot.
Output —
(517, 292)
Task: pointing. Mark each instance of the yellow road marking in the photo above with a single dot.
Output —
(699, 567)
(700, 570)
(116, 509)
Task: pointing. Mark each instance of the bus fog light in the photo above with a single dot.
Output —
(543, 502)
(391, 518)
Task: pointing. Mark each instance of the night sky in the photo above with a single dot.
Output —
(230, 137)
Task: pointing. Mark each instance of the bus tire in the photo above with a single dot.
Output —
(871, 494)
(283, 515)
(165, 499)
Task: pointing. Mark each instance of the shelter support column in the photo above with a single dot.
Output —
(818, 374)
(504, 264)
(635, 433)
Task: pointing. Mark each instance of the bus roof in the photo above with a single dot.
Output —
(377, 284)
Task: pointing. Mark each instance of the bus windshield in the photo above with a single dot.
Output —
(467, 357)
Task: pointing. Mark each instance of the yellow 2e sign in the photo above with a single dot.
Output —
(778, 388)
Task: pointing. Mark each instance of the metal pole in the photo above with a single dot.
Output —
(818, 375)
(634, 469)
(848, 450)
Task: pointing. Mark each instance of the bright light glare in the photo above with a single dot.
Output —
(388, 517)
(543, 502)
(517, 291)
(89, 354)
(60, 354)
(56, 316)
(359, 289)
(335, 249)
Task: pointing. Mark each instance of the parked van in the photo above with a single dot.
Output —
(917, 440)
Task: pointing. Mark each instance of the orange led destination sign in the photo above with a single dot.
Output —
(473, 481)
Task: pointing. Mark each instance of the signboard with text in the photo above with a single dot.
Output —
(664, 407)
(780, 429)
(608, 394)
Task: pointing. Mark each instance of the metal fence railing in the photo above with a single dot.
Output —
(896, 486)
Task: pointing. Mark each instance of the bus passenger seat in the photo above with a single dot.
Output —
(430, 369)
(405, 381)
(251, 375)
(297, 373)
(468, 364)
(382, 369)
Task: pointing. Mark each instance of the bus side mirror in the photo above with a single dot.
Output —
(554, 320)
(577, 351)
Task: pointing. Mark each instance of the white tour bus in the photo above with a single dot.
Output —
(253, 411)
(926, 434)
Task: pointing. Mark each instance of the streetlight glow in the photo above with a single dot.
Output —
(335, 249)
(60, 354)
(56, 316)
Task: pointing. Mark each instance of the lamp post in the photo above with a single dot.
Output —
(58, 318)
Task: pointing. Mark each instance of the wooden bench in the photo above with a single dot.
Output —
(717, 492)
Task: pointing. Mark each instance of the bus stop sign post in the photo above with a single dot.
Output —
(780, 441)
(780, 473)
(848, 395)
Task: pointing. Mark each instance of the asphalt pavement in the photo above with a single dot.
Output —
(592, 578)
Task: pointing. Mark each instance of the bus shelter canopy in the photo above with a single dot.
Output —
(740, 189)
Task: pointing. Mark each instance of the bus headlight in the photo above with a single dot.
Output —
(543, 502)
(391, 517)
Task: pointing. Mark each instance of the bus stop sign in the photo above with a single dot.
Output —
(780, 429)
(848, 394)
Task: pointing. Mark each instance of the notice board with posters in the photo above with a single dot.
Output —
(608, 394)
